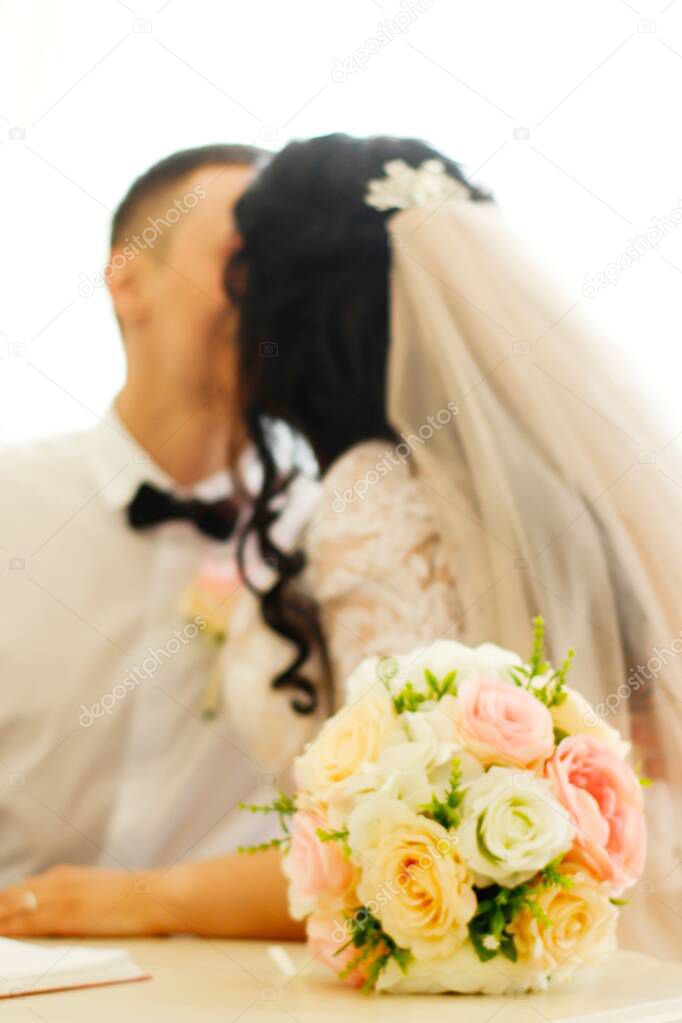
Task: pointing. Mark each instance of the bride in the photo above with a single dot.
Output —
(483, 459)
(483, 454)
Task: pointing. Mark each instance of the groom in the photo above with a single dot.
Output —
(99, 540)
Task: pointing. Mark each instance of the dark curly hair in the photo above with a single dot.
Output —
(311, 285)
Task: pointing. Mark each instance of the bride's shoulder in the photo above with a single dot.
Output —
(371, 493)
(366, 476)
(376, 524)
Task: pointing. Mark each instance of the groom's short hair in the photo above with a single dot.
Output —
(172, 169)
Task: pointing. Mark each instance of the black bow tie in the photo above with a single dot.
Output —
(150, 507)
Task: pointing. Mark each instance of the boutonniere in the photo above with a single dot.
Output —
(211, 600)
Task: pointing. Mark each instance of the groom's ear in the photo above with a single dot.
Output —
(125, 288)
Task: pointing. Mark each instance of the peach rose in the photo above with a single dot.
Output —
(314, 867)
(326, 937)
(577, 924)
(503, 724)
(412, 877)
(604, 798)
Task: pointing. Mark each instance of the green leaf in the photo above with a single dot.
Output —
(335, 836)
(284, 806)
(274, 843)
(498, 907)
(446, 811)
(552, 877)
(367, 935)
(410, 699)
(553, 691)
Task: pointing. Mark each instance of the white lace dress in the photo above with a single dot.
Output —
(377, 571)
(376, 566)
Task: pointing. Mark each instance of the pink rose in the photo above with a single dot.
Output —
(604, 798)
(326, 936)
(212, 595)
(502, 723)
(316, 867)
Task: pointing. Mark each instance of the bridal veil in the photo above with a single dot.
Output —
(555, 493)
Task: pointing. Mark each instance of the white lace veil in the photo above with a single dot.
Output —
(552, 494)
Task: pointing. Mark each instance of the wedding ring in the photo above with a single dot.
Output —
(29, 900)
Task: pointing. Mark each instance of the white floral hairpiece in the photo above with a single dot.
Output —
(404, 187)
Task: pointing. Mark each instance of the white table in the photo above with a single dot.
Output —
(202, 980)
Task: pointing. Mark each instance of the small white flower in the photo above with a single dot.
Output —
(404, 187)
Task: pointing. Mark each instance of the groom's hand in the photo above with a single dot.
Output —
(68, 900)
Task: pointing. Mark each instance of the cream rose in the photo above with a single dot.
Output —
(576, 716)
(352, 738)
(411, 877)
(578, 925)
(512, 826)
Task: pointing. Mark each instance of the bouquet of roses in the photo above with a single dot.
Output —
(465, 822)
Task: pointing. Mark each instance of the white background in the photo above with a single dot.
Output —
(99, 89)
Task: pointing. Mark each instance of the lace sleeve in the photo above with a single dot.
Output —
(375, 562)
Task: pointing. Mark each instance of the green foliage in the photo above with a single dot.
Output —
(498, 907)
(410, 699)
(284, 806)
(335, 836)
(274, 843)
(551, 876)
(552, 692)
(446, 811)
(374, 946)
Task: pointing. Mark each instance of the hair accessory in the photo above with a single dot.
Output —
(405, 186)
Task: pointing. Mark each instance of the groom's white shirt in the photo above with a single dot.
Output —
(87, 603)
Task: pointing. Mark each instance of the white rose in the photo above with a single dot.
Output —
(512, 826)
(412, 877)
(447, 655)
(576, 715)
(368, 674)
(352, 738)
(432, 725)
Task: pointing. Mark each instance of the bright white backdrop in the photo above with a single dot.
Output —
(567, 109)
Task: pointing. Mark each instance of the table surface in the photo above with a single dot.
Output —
(202, 980)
